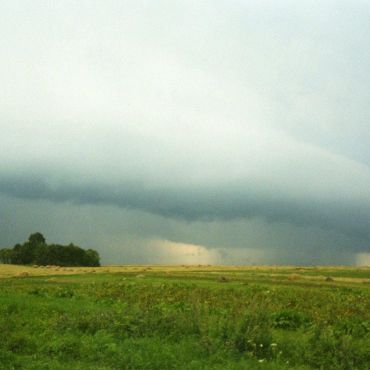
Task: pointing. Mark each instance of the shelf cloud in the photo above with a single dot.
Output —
(203, 115)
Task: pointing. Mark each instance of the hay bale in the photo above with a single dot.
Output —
(329, 279)
(24, 274)
(293, 277)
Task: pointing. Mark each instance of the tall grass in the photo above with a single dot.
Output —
(161, 321)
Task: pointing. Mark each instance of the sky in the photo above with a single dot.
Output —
(206, 132)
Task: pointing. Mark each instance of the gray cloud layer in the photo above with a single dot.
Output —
(346, 209)
(195, 111)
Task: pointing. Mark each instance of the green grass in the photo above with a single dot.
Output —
(185, 320)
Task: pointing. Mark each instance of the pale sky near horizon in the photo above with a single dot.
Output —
(188, 131)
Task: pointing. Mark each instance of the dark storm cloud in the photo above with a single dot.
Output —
(129, 236)
(204, 113)
(203, 204)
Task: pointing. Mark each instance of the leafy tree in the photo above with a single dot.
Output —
(17, 257)
(6, 255)
(36, 239)
(36, 251)
(92, 257)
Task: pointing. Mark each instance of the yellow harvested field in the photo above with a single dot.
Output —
(291, 273)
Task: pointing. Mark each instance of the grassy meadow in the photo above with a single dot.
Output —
(184, 317)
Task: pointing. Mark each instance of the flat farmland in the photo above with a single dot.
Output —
(184, 317)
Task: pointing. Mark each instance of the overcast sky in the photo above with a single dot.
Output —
(188, 131)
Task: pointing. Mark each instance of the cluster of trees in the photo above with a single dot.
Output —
(35, 251)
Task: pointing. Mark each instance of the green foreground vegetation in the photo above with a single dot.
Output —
(203, 318)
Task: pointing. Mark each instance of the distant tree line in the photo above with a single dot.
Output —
(35, 251)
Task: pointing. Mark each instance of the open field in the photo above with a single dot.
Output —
(184, 317)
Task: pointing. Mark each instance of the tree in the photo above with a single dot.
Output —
(17, 257)
(36, 239)
(6, 255)
(36, 251)
(92, 258)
